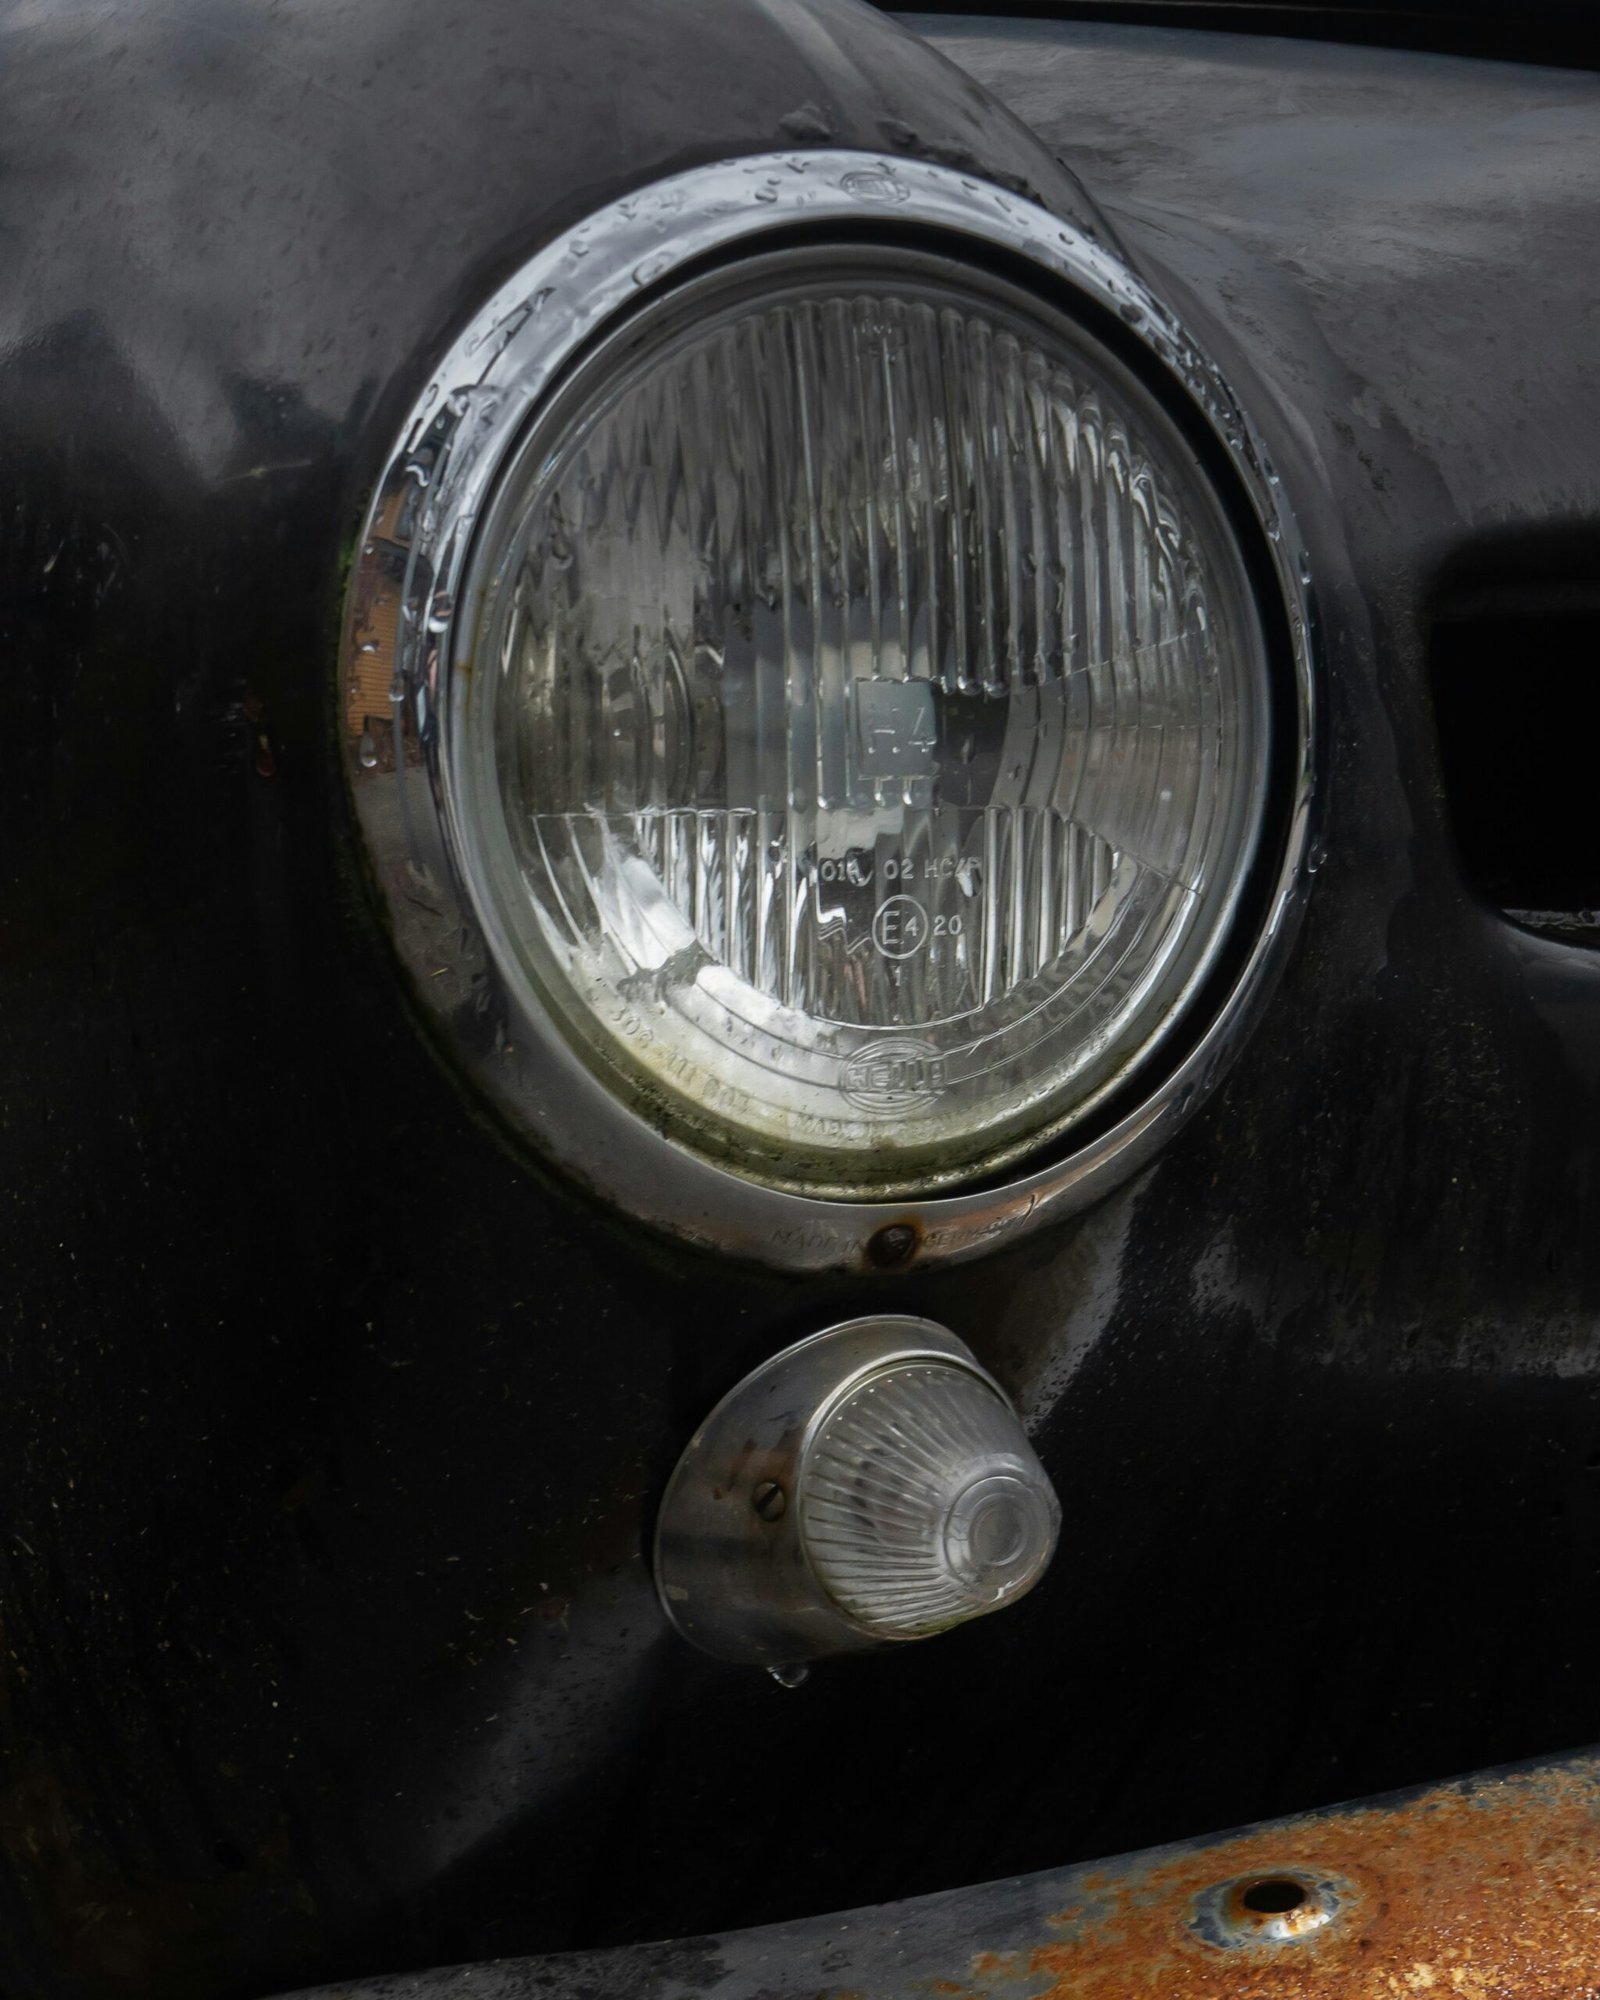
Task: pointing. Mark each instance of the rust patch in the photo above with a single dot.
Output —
(1484, 1891)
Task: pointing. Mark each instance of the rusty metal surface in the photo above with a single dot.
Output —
(1491, 1890)
(1487, 1888)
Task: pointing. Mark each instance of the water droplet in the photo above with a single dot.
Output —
(440, 611)
(791, 1676)
(874, 184)
(766, 192)
(367, 751)
(809, 123)
(652, 267)
(1131, 313)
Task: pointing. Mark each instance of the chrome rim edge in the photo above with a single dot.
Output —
(463, 429)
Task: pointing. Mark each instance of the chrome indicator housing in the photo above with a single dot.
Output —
(869, 1485)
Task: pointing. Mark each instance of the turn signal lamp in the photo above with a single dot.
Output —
(868, 1485)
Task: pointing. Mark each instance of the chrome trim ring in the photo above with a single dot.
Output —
(399, 647)
(736, 1580)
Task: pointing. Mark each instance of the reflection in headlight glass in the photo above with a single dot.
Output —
(877, 725)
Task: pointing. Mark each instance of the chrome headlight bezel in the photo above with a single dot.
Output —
(466, 428)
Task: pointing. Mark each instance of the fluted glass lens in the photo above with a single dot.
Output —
(876, 731)
(922, 1502)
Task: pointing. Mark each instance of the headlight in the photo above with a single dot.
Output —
(851, 702)
(868, 723)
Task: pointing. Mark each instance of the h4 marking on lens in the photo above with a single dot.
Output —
(897, 729)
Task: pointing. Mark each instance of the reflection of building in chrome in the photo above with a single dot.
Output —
(393, 798)
(369, 708)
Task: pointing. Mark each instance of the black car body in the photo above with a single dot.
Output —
(334, 1419)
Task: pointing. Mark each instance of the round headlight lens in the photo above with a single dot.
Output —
(863, 719)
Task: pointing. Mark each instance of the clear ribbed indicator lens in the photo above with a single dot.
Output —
(874, 731)
(923, 1503)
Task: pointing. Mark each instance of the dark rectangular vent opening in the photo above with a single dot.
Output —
(1516, 688)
